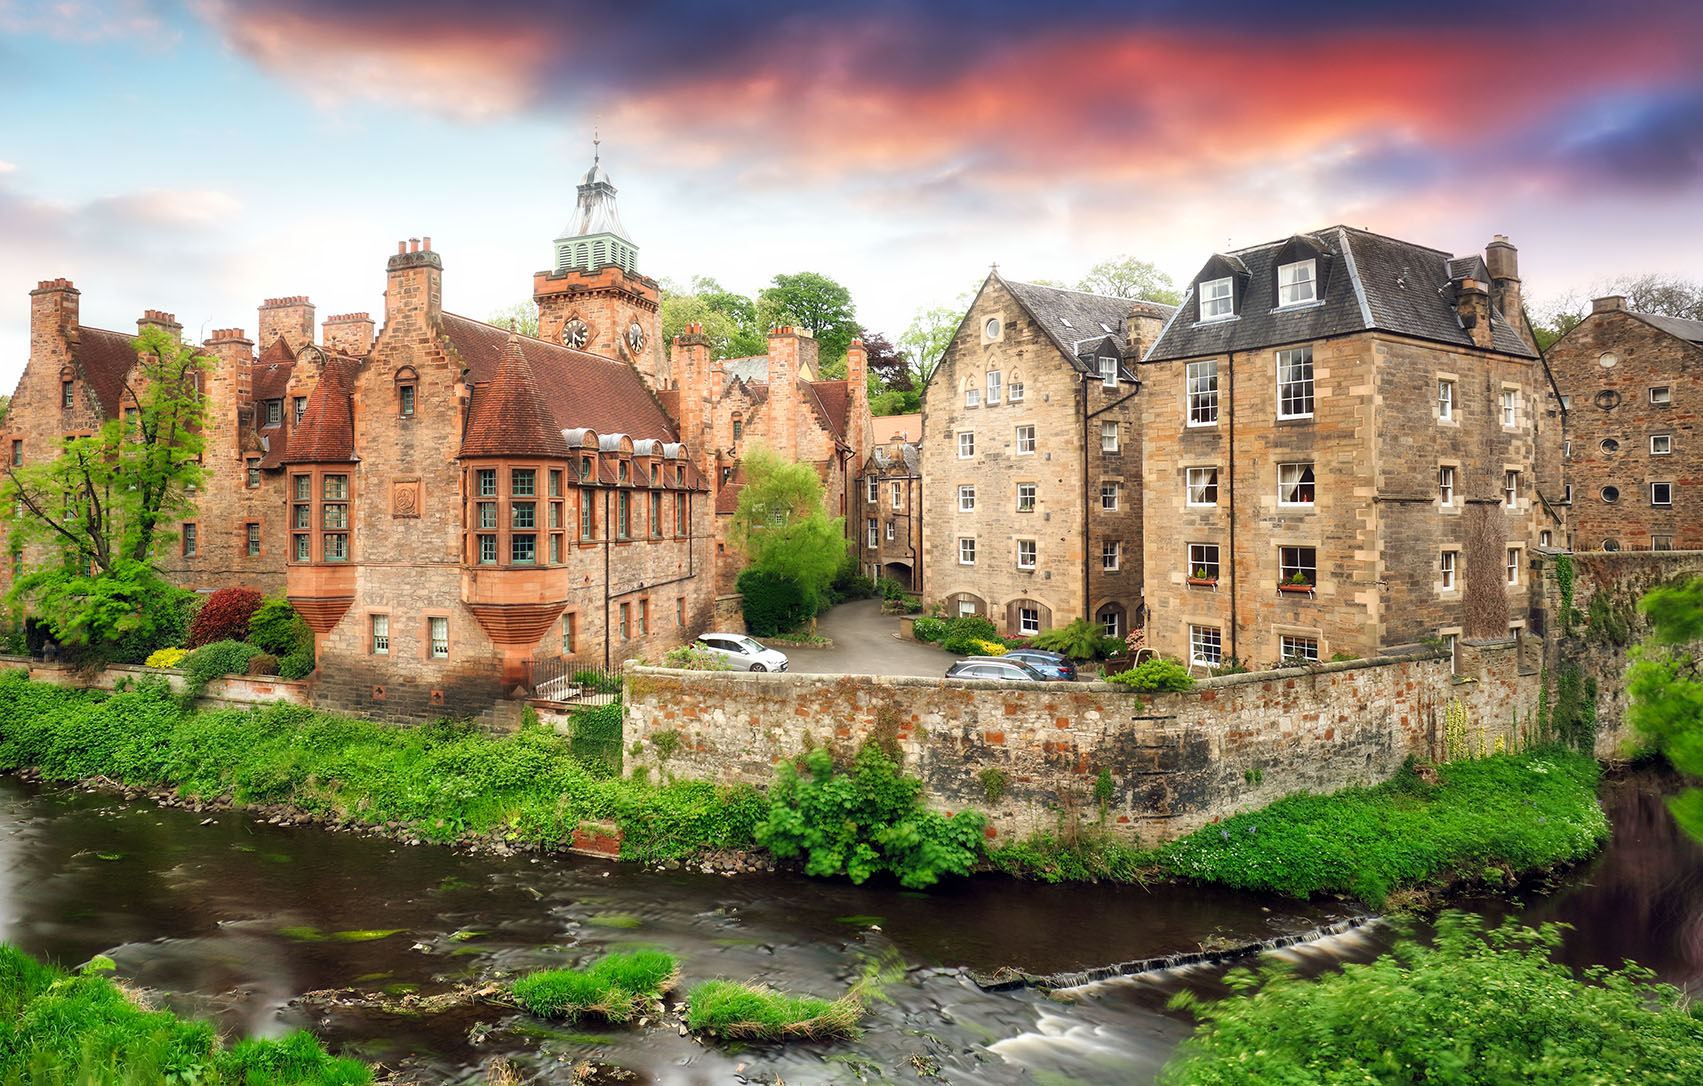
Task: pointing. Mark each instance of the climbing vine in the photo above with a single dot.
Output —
(1564, 581)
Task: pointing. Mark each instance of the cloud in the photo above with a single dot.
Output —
(81, 20)
(8, 167)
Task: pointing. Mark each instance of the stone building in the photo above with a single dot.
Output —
(1634, 382)
(889, 503)
(1032, 498)
(1346, 447)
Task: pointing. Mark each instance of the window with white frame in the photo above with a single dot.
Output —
(1111, 552)
(1014, 392)
(1203, 392)
(1108, 496)
(1025, 497)
(1028, 620)
(1445, 400)
(1108, 371)
(874, 489)
(1295, 383)
(1305, 649)
(1109, 437)
(1025, 554)
(381, 635)
(966, 608)
(972, 394)
(1446, 486)
(966, 552)
(1297, 282)
(872, 527)
(1216, 299)
(1546, 538)
(437, 637)
(1661, 444)
(1206, 646)
(1025, 439)
(1298, 565)
(966, 444)
(1660, 394)
(993, 387)
(1513, 565)
(892, 533)
(897, 495)
(1111, 621)
(1510, 488)
(1510, 407)
(1203, 561)
(1661, 493)
(1203, 486)
(1446, 570)
(966, 499)
(1295, 484)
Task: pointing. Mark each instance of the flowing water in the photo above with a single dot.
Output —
(233, 919)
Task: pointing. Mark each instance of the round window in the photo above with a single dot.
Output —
(993, 328)
(1607, 399)
(1610, 494)
(1610, 445)
(1608, 360)
(1611, 544)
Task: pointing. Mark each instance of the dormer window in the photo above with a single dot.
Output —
(1108, 371)
(1216, 299)
(274, 412)
(300, 408)
(1297, 283)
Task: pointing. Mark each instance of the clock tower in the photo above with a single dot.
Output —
(594, 299)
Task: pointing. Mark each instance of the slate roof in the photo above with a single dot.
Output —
(1689, 330)
(507, 416)
(910, 457)
(326, 434)
(578, 389)
(754, 368)
(1370, 282)
(104, 358)
(1070, 317)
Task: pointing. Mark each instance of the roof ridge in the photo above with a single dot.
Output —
(536, 339)
(508, 415)
(1073, 290)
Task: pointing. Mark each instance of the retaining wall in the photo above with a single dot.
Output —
(230, 690)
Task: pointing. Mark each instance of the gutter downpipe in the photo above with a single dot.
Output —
(1230, 357)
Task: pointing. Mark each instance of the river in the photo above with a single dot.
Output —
(233, 919)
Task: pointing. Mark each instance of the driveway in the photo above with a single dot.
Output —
(866, 642)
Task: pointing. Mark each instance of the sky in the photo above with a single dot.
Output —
(198, 156)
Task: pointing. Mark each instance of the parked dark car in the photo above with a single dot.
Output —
(994, 667)
(1055, 666)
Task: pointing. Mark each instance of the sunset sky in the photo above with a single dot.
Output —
(199, 156)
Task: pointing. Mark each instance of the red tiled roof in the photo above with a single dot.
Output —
(579, 389)
(886, 426)
(271, 372)
(831, 400)
(326, 434)
(277, 440)
(727, 498)
(669, 398)
(104, 358)
(507, 416)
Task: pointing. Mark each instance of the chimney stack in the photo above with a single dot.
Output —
(166, 322)
(414, 283)
(348, 333)
(290, 317)
(857, 399)
(229, 389)
(1613, 303)
(53, 309)
(1472, 305)
(1503, 260)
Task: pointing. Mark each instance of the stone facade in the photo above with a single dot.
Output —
(1635, 447)
(886, 516)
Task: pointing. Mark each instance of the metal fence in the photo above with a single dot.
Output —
(575, 682)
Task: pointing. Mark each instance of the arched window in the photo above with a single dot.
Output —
(1112, 619)
(973, 390)
(963, 604)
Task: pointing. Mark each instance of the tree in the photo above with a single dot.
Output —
(1665, 682)
(520, 317)
(782, 526)
(887, 361)
(106, 504)
(813, 301)
(729, 320)
(927, 338)
(1663, 295)
(1126, 277)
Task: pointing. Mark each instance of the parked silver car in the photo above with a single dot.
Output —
(743, 653)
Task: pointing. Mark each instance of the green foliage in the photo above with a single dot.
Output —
(994, 782)
(165, 658)
(729, 1009)
(866, 821)
(929, 335)
(618, 986)
(987, 648)
(209, 662)
(849, 583)
(1087, 855)
(813, 302)
(262, 663)
(1473, 1007)
(772, 603)
(529, 786)
(520, 317)
(694, 658)
(1666, 689)
(1609, 623)
(1104, 789)
(63, 1028)
(127, 607)
(782, 526)
(1564, 582)
(1574, 718)
(297, 665)
(963, 632)
(275, 627)
(1530, 811)
(1080, 640)
(1126, 277)
(1155, 675)
(928, 629)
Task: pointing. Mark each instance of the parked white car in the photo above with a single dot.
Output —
(743, 653)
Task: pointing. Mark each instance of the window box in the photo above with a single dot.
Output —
(1205, 582)
(1297, 588)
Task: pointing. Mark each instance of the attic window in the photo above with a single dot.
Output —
(1297, 283)
(274, 412)
(1216, 299)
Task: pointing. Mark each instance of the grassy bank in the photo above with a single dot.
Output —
(55, 1027)
(447, 782)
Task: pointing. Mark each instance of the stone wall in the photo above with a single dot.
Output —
(1030, 756)
(232, 690)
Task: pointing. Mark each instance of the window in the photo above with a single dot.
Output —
(487, 482)
(626, 621)
(523, 482)
(1611, 544)
(1661, 493)
(966, 499)
(680, 610)
(555, 547)
(1108, 371)
(336, 547)
(965, 607)
(1014, 393)
(381, 635)
(1025, 554)
(1445, 401)
(966, 444)
(680, 514)
(555, 514)
(487, 550)
(1297, 282)
(274, 412)
(656, 512)
(966, 552)
(304, 549)
(1203, 561)
(584, 468)
(738, 429)
(1025, 497)
(555, 483)
(299, 407)
(522, 514)
(1657, 543)
(1108, 496)
(1661, 394)
(1610, 494)
(872, 528)
(252, 530)
(1025, 439)
(1510, 488)
(1295, 484)
(891, 532)
(1661, 444)
(623, 515)
(1446, 570)
(873, 489)
(253, 468)
(570, 634)
(588, 514)
(523, 549)
(1203, 486)
(1216, 299)
(1446, 486)
(896, 495)
(993, 387)
(1111, 622)
(644, 617)
(67, 394)
(17, 452)
(486, 514)
(1304, 649)
(1510, 407)
(1513, 565)
(972, 395)
(1298, 566)
(1110, 552)
(1028, 621)
(1203, 393)
(1295, 383)
(437, 636)
(1206, 646)
(1108, 437)
(189, 542)
(406, 401)
(1546, 538)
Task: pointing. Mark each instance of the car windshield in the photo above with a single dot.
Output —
(749, 645)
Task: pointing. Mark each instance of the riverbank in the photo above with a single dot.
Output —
(1469, 825)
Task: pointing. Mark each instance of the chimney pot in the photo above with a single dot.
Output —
(427, 244)
(1613, 303)
(413, 245)
(401, 247)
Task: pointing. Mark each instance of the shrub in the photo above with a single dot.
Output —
(220, 658)
(224, 617)
(987, 648)
(1474, 1007)
(165, 657)
(757, 1012)
(1080, 640)
(276, 628)
(772, 604)
(1155, 675)
(1110, 647)
(868, 820)
(928, 629)
(262, 663)
(960, 632)
(171, 611)
(297, 665)
(618, 987)
(695, 658)
(849, 583)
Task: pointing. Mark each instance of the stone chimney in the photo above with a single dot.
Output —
(53, 310)
(1503, 260)
(857, 400)
(229, 388)
(1613, 303)
(1472, 306)
(1141, 328)
(789, 349)
(690, 361)
(348, 333)
(414, 284)
(166, 322)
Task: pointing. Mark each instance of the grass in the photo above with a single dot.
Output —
(446, 782)
(617, 987)
(757, 1012)
(56, 1027)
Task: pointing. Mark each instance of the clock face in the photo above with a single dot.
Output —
(575, 333)
(636, 337)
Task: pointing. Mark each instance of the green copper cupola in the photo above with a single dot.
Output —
(596, 239)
